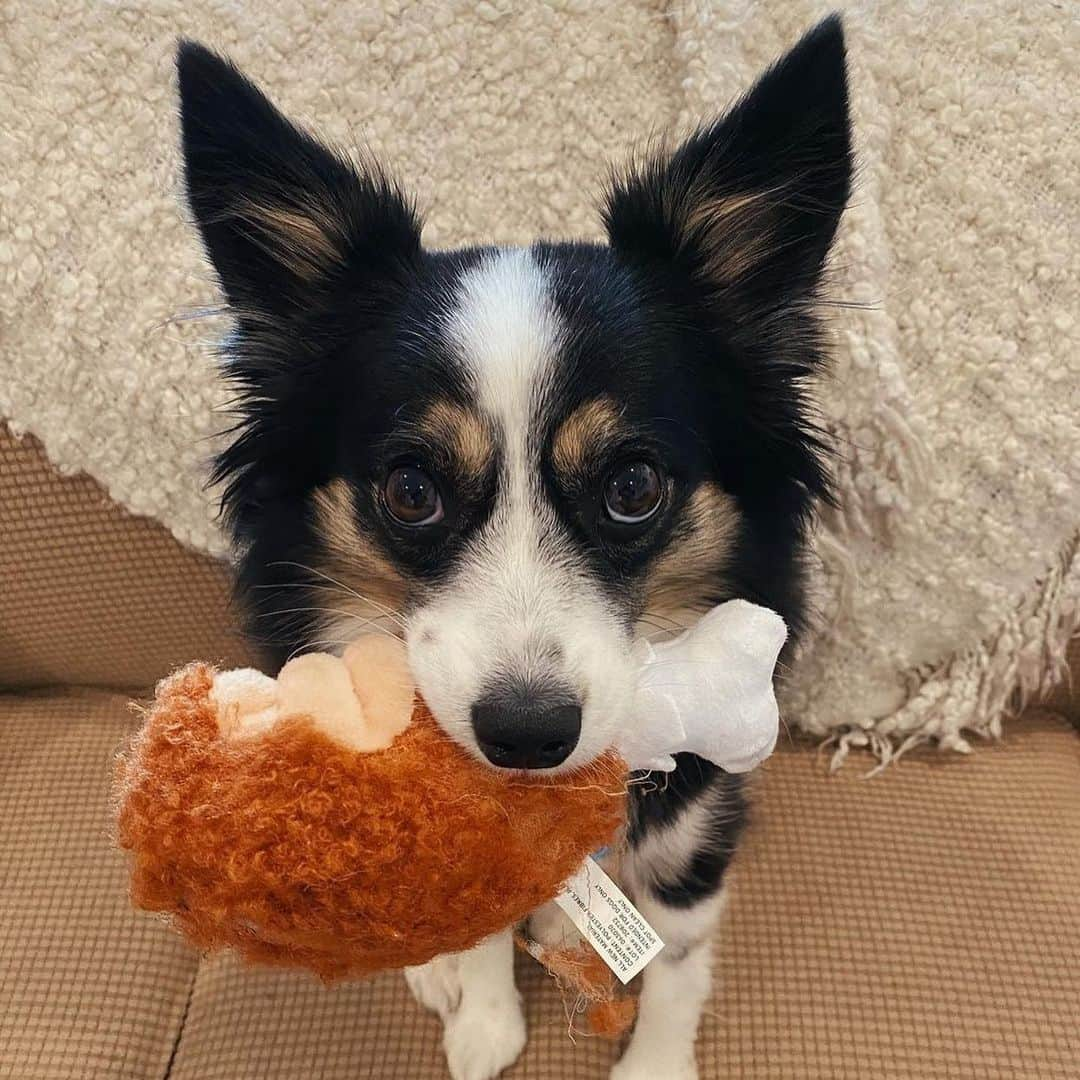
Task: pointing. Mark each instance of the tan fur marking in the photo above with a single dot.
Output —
(596, 422)
(684, 577)
(708, 213)
(308, 241)
(351, 558)
(463, 434)
(733, 231)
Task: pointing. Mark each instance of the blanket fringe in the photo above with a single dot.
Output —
(976, 691)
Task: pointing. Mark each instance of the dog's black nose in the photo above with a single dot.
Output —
(526, 731)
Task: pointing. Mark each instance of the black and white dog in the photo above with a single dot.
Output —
(518, 458)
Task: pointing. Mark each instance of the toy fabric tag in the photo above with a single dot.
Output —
(610, 923)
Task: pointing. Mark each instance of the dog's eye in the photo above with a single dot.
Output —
(412, 497)
(632, 492)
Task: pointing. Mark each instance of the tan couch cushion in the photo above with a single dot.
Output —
(86, 988)
(920, 925)
(92, 594)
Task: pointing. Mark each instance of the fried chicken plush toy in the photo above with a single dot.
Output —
(324, 820)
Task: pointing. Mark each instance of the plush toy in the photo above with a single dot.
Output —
(324, 820)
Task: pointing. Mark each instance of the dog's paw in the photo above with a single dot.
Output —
(484, 1037)
(436, 985)
(637, 1067)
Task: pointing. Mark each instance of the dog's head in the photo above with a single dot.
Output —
(516, 457)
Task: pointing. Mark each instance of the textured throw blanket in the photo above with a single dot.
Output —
(949, 577)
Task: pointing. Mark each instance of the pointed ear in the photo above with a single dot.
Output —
(748, 206)
(285, 220)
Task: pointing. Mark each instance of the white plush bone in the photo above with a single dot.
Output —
(708, 692)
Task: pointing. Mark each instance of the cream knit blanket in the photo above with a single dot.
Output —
(950, 578)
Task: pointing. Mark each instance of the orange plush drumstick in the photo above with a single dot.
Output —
(288, 822)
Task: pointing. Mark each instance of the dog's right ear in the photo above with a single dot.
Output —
(747, 207)
(287, 222)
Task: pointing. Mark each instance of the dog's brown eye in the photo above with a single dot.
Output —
(632, 492)
(412, 497)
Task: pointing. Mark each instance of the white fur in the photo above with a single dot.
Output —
(475, 996)
(520, 604)
(664, 854)
(678, 982)
(676, 986)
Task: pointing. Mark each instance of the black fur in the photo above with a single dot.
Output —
(698, 317)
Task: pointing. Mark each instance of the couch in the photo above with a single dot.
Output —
(922, 924)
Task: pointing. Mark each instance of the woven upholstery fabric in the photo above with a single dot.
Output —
(87, 989)
(920, 925)
(92, 594)
(923, 924)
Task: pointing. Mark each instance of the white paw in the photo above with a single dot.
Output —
(484, 1037)
(550, 926)
(436, 985)
(637, 1067)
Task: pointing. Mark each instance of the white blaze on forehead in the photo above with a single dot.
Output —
(521, 605)
(507, 334)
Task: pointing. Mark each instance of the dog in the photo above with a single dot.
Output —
(521, 459)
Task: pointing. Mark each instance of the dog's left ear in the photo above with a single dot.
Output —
(286, 220)
(747, 208)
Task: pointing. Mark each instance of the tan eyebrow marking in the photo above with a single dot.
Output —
(462, 433)
(589, 425)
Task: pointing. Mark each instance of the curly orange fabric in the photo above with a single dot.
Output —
(295, 851)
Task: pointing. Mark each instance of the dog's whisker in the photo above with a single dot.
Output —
(314, 646)
(666, 618)
(363, 623)
(345, 588)
(326, 610)
(332, 590)
(787, 731)
(362, 620)
(657, 629)
(308, 646)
